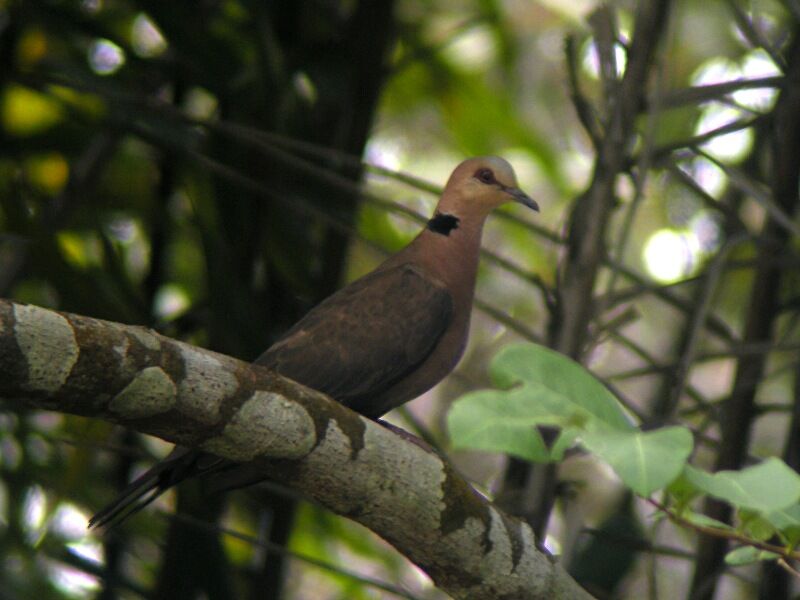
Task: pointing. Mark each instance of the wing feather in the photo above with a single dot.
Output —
(366, 337)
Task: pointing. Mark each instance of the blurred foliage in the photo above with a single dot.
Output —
(195, 167)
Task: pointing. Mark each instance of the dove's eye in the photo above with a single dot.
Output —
(485, 176)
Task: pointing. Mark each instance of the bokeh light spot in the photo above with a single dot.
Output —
(171, 301)
(26, 112)
(730, 146)
(146, 38)
(756, 65)
(591, 62)
(475, 49)
(105, 57)
(670, 255)
(47, 172)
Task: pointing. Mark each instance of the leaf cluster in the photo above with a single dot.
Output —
(539, 387)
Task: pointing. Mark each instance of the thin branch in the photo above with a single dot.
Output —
(654, 367)
(716, 91)
(715, 324)
(731, 217)
(502, 317)
(639, 176)
(754, 189)
(664, 151)
(583, 108)
(753, 35)
(788, 568)
(726, 534)
(678, 379)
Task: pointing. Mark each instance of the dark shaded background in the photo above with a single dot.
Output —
(195, 167)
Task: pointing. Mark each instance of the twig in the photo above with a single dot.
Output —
(756, 190)
(690, 339)
(708, 93)
(753, 35)
(583, 108)
(788, 568)
(664, 151)
(730, 535)
(731, 217)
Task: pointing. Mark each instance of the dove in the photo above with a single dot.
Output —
(383, 339)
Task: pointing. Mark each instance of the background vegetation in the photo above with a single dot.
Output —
(195, 167)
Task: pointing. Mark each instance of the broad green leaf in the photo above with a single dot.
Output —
(746, 555)
(765, 488)
(644, 461)
(560, 385)
(498, 422)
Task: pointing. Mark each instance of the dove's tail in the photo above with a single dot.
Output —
(179, 465)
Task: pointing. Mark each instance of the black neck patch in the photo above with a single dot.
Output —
(443, 223)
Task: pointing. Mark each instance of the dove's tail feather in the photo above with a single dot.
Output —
(179, 465)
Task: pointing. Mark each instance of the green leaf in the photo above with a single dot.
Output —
(498, 422)
(757, 528)
(682, 492)
(747, 555)
(765, 488)
(705, 521)
(644, 461)
(785, 517)
(561, 386)
(566, 439)
(547, 388)
(787, 522)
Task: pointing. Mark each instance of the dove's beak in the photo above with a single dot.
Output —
(519, 196)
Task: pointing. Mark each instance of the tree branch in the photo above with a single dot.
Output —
(389, 482)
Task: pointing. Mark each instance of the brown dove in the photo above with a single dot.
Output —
(384, 339)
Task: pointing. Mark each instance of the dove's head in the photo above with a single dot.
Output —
(480, 184)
